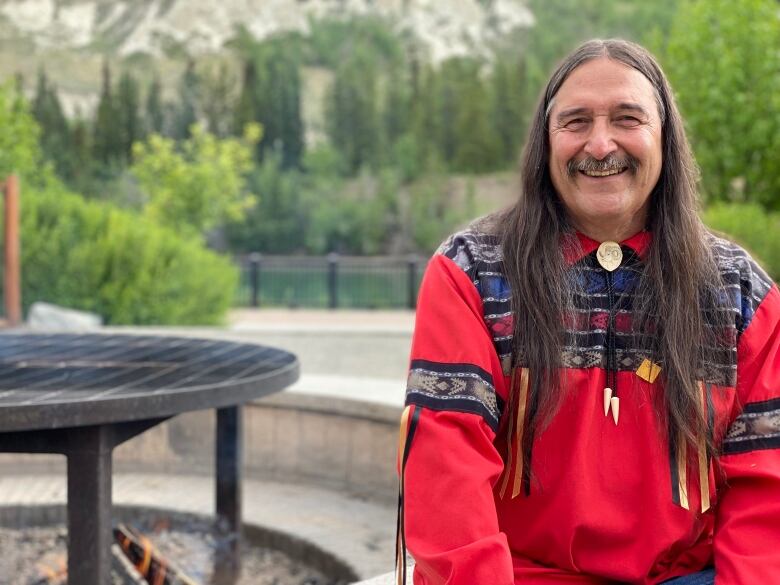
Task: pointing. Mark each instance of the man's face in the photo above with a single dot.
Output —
(605, 147)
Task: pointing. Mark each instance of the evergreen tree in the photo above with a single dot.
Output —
(128, 114)
(453, 76)
(155, 115)
(271, 95)
(55, 133)
(425, 118)
(286, 103)
(217, 91)
(395, 111)
(81, 156)
(106, 135)
(245, 112)
(353, 121)
(189, 90)
(507, 105)
(478, 148)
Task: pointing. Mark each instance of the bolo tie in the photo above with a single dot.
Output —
(609, 256)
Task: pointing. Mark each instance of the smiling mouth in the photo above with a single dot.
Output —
(609, 173)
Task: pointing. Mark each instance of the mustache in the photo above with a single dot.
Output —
(611, 162)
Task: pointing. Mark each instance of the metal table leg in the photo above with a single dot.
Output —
(89, 505)
(229, 457)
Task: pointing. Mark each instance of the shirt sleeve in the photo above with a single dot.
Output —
(747, 527)
(456, 382)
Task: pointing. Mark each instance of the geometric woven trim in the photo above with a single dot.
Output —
(757, 428)
(454, 387)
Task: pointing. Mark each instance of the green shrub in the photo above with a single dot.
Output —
(93, 257)
(753, 228)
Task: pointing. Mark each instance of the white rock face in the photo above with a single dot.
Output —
(446, 27)
(30, 15)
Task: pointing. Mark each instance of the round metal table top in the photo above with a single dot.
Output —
(60, 380)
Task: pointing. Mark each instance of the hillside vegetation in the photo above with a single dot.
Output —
(360, 142)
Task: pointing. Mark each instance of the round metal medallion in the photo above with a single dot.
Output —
(609, 255)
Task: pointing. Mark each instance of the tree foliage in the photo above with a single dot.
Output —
(94, 257)
(194, 187)
(724, 64)
(270, 95)
(19, 149)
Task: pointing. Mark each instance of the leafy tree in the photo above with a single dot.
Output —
(432, 214)
(724, 64)
(95, 257)
(19, 149)
(198, 186)
(360, 220)
(275, 222)
(751, 226)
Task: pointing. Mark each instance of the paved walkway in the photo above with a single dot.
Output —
(401, 321)
(358, 532)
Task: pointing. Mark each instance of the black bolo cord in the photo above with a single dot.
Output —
(611, 345)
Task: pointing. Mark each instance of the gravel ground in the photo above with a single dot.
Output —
(29, 555)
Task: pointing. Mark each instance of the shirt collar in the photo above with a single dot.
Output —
(577, 245)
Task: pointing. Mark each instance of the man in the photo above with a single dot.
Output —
(594, 390)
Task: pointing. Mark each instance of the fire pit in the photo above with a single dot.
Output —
(34, 543)
(82, 395)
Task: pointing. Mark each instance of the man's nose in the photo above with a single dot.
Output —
(600, 141)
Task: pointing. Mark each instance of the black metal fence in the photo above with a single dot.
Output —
(333, 281)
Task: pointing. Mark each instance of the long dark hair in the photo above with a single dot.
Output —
(680, 282)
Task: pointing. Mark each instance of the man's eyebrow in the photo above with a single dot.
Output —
(571, 112)
(623, 106)
(631, 106)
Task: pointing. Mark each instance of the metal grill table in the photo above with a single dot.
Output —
(82, 395)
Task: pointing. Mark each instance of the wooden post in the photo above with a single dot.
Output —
(12, 282)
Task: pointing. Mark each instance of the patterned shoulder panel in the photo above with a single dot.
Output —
(472, 250)
(466, 387)
(480, 256)
(746, 282)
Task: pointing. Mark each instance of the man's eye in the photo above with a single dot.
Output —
(628, 120)
(575, 123)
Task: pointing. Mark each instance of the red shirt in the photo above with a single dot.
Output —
(601, 503)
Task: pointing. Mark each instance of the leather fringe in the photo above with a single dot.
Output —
(518, 398)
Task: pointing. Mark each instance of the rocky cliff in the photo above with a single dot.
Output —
(445, 27)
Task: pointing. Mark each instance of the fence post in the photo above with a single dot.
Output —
(411, 264)
(12, 278)
(254, 277)
(333, 280)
